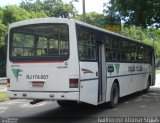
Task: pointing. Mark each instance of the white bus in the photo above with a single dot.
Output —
(71, 61)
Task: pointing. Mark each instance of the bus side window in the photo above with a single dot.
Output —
(141, 53)
(81, 52)
(116, 56)
(133, 52)
(127, 57)
(108, 48)
(148, 55)
(86, 44)
(109, 55)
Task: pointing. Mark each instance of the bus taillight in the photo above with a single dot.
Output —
(8, 83)
(73, 83)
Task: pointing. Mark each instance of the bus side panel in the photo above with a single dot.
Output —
(89, 82)
(89, 92)
(132, 77)
(74, 60)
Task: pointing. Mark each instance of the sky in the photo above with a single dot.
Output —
(90, 5)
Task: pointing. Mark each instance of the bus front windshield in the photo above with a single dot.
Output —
(39, 42)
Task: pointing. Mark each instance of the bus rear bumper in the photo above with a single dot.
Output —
(44, 95)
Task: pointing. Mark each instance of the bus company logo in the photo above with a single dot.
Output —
(134, 68)
(16, 72)
(117, 66)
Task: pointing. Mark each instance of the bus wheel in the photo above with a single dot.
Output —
(114, 96)
(66, 103)
(148, 87)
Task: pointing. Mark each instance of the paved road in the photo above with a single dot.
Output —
(157, 84)
(136, 105)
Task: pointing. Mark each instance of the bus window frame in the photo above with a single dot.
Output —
(94, 33)
(38, 58)
(129, 50)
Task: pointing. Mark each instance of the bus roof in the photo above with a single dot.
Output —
(64, 20)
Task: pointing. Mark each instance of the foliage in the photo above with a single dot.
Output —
(30, 5)
(3, 42)
(92, 18)
(3, 34)
(64, 10)
(14, 13)
(141, 13)
(52, 8)
(1, 15)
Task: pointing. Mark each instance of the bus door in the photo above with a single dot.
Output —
(102, 81)
(93, 91)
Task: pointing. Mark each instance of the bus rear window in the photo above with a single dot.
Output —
(39, 42)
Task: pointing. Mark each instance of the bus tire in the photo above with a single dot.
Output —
(148, 87)
(66, 103)
(114, 95)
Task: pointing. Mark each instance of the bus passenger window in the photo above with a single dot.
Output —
(86, 44)
(108, 42)
(127, 57)
(116, 56)
(109, 56)
(141, 53)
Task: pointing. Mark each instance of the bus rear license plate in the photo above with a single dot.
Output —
(37, 84)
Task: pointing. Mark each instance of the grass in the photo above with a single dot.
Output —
(3, 95)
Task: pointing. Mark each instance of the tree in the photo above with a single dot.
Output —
(1, 15)
(14, 13)
(142, 13)
(52, 8)
(92, 18)
(64, 10)
(3, 34)
(3, 51)
(30, 5)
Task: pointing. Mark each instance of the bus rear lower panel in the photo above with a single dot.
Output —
(44, 95)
